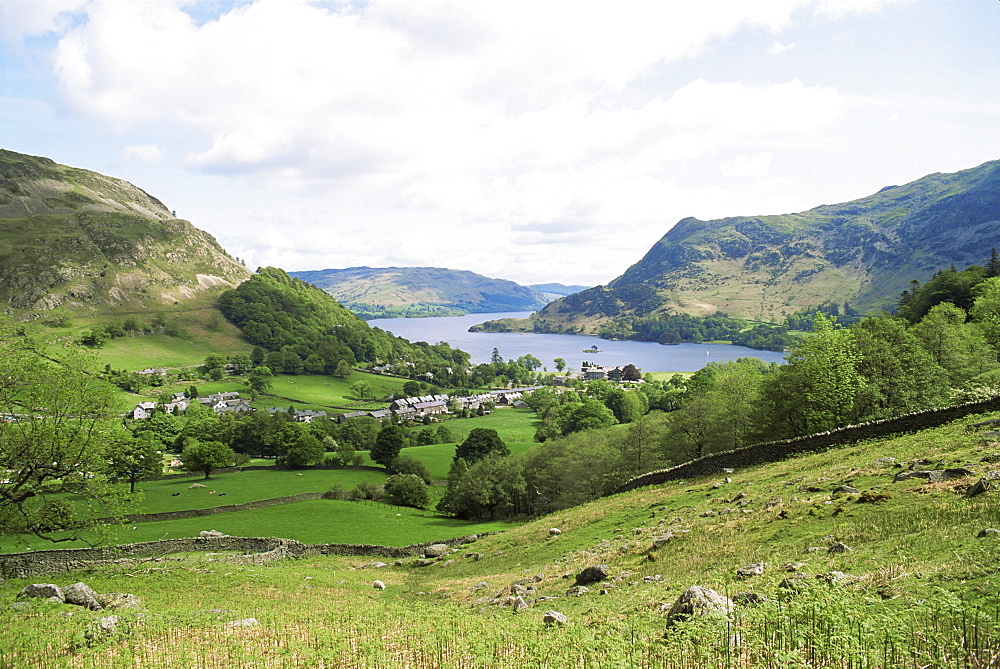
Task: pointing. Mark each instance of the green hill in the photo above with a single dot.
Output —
(77, 241)
(901, 573)
(863, 253)
(373, 292)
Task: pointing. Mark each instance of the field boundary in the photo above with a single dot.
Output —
(775, 451)
(248, 550)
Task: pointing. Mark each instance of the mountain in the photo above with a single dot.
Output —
(553, 291)
(78, 240)
(374, 292)
(864, 253)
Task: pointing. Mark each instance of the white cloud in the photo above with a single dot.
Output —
(510, 130)
(758, 165)
(143, 153)
(24, 18)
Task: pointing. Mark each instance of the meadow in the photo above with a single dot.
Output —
(918, 587)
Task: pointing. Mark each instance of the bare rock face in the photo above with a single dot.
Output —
(698, 602)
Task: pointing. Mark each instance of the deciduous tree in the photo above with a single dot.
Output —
(56, 415)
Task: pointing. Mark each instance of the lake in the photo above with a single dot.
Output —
(647, 356)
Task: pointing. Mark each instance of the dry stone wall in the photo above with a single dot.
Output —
(775, 451)
(248, 550)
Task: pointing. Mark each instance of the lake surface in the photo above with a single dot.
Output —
(647, 356)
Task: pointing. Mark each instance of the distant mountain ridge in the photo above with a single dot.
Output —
(80, 240)
(864, 253)
(374, 292)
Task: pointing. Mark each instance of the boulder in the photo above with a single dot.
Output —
(520, 605)
(577, 591)
(118, 600)
(753, 569)
(839, 547)
(554, 618)
(795, 584)
(592, 574)
(243, 622)
(662, 540)
(833, 577)
(422, 562)
(211, 534)
(698, 602)
(846, 490)
(82, 594)
(748, 598)
(41, 591)
(469, 539)
(437, 550)
(978, 488)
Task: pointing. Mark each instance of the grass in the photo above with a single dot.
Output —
(922, 588)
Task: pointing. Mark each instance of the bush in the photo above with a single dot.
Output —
(407, 464)
(408, 490)
(368, 490)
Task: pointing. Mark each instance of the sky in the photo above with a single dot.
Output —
(530, 140)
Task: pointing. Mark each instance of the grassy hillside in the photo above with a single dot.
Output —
(918, 587)
(108, 245)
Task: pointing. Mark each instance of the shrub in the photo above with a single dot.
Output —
(408, 490)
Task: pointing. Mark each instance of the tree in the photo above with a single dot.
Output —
(482, 441)
(444, 435)
(591, 414)
(631, 373)
(134, 459)
(299, 448)
(957, 346)
(492, 488)
(560, 364)
(343, 369)
(260, 379)
(362, 390)
(819, 389)
(411, 388)
(241, 363)
(408, 490)
(206, 456)
(57, 416)
(407, 464)
(388, 443)
(529, 362)
(215, 361)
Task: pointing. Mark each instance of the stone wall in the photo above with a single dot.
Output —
(251, 549)
(775, 451)
(247, 506)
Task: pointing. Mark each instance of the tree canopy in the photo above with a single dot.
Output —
(56, 415)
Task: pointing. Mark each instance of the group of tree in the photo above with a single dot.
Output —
(596, 438)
